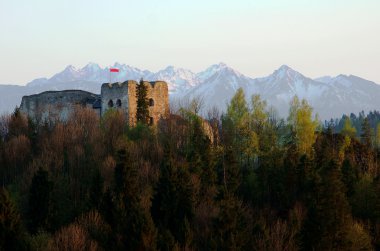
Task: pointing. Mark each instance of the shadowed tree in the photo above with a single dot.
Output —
(11, 231)
(142, 112)
(366, 135)
(134, 223)
(39, 201)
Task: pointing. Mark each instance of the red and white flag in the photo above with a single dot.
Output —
(114, 70)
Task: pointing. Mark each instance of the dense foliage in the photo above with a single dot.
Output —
(245, 180)
(142, 111)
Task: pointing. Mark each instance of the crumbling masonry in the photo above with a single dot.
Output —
(118, 96)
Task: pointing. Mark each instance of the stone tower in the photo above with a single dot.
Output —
(123, 96)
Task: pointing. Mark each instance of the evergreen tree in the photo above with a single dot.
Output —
(173, 203)
(332, 210)
(378, 136)
(233, 232)
(366, 133)
(142, 112)
(96, 189)
(364, 200)
(134, 223)
(349, 177)
(11, 231)
(39, 201)
(231, 175)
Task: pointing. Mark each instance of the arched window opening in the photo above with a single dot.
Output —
(110, 103)
(151, 102)
(150, 120)
(118, 103)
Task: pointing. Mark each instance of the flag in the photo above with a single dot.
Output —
(114, 70)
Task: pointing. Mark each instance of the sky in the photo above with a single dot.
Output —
(316, 37)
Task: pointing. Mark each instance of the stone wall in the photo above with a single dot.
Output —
(115, 96)
(157, 93)
(55, 105)
(122, 96)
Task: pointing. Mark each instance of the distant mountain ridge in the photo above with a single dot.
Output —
(329, 96)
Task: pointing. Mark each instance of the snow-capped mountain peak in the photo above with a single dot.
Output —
(216, 69)
(286, 72)
(91, 68)
(178, 79)
(70, 68)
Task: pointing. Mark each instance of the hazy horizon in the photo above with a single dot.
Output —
(317, 38)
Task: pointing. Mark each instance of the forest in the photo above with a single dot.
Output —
(244, 179)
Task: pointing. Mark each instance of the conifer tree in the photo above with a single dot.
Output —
(39, 201)
(134, 223)
(349, 177)
(366, 133)
(11, 231)
(173, 204)
(378, 136)
(96, 189)
(142, 112)
(232, 230)
(364, 201)
(333, 212)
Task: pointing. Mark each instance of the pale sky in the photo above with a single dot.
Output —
(316, 37)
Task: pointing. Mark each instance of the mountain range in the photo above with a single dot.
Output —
(329, 96)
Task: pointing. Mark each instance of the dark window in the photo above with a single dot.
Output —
(150, 120)
(151, 102)
(118, 103)
(110, 103)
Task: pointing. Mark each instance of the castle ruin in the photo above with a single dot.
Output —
(118, 96)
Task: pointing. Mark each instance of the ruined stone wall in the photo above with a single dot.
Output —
(158, 96)
(115, 96)
(132, 103)
(157, 93)
(55, 105)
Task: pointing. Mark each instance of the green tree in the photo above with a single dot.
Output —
(302, 125)
(377, 141)
(233, 230)
(142, 113)
(134, 223)
(173, 203)
(238, 134)
(259, 117)
(11, 230)
(348, 129)
(366, 135)
(333, 212)
(349, 177)
(260, 124)
(364, 201)
(96, 189)
(39, 201)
